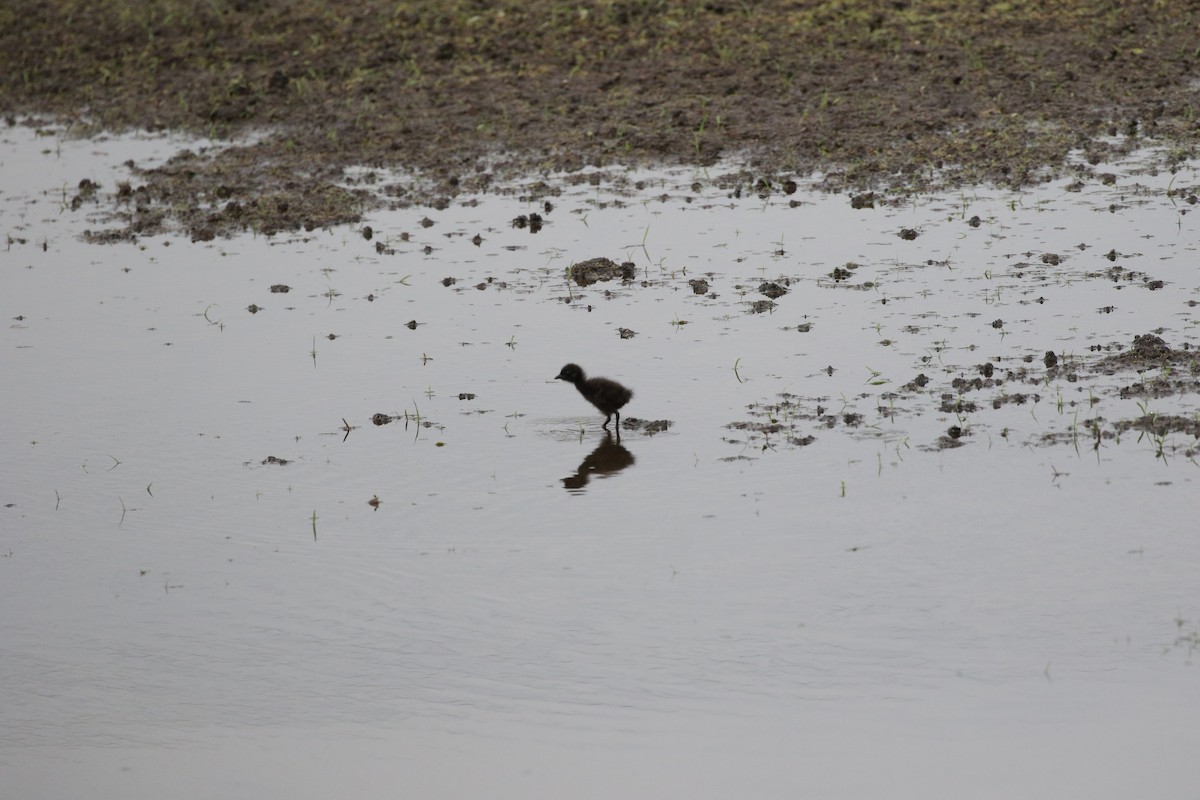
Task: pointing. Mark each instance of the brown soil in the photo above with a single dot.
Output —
(892, 96)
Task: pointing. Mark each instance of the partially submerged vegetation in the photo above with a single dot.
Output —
(1150, 367)
(896, 96)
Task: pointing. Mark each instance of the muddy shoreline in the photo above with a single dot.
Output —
(892, 97)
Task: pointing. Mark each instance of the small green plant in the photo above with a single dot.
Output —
(698, 134)
(1160, 446)
(736, 374)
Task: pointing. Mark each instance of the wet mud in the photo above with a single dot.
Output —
(585, 273)
(881, 99)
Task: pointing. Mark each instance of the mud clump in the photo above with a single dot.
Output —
(1150, 347)
(864, 200)
(585, 273)
(646, 426)
(762, 306)
(533, 222)
(948, 442)
(956, 405)
(772, 290)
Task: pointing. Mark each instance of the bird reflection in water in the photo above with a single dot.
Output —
(609, 458)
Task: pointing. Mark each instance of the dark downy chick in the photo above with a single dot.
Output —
(606, 395)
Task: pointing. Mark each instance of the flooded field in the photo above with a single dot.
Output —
(904, 503)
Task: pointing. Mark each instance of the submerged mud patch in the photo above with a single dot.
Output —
(646, 426)
(791, 420)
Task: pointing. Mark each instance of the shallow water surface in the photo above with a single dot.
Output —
(885, 547)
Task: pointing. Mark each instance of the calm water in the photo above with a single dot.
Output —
(717, 612)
